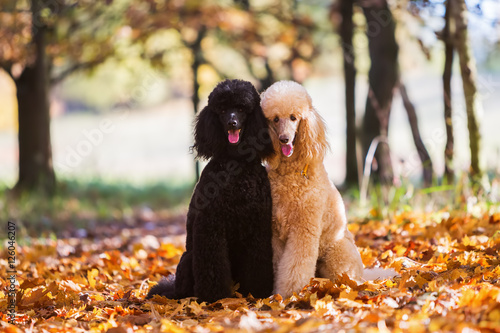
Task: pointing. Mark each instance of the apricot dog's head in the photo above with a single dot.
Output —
(296, 129)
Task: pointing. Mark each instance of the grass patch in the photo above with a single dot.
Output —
(77, 203)
(465, 195)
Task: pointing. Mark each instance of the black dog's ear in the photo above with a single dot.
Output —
(208, 134)
(258, 130)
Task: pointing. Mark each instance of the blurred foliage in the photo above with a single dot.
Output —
(112, 85)
(85, 203)
(80, 33)
(257, 40)
(261, 41)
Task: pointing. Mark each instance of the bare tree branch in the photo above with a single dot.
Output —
(417, 139)
(76, 67)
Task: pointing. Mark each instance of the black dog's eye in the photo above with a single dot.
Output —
(223, 111)
(276, 119)
(292, 117)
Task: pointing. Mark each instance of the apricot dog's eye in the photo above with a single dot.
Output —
(292, 117)
(276, 119)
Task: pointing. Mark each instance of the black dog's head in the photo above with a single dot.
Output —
(232, 124)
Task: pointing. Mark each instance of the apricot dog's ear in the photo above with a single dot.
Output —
(312, 136)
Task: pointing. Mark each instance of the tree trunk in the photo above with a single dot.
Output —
(35, 153)
(417, 139)
(447, 72)
(268, 80)
(469, 73)
(383, 76)
(346, 33)
(195, 98)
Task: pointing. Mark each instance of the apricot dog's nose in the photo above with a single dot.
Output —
(283, 139)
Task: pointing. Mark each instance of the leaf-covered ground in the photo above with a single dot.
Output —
(447, 264)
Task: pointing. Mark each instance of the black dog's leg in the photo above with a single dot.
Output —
(256, 267)
(184, 280)
(179, 285)
(211, 266)
(256, 271)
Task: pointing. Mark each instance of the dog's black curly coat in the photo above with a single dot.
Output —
(229, 219)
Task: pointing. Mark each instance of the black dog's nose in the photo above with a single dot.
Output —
(283, 139)
(232, 123)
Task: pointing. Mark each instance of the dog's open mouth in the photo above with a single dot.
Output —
(287, 149)
(233, 136)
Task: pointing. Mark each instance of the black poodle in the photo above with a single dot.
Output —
(229, 219)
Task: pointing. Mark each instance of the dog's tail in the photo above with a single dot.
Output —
(166, 287)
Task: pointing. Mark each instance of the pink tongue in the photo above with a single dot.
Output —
(287, 150)
(233, 136)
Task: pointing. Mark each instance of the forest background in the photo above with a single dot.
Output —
(133, 67)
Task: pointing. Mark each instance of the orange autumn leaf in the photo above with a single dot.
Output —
(91, 275)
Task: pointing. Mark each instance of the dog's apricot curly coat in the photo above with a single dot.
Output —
(310, 235)
(229, 219)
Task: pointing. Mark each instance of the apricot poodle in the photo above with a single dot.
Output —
(310, 235)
